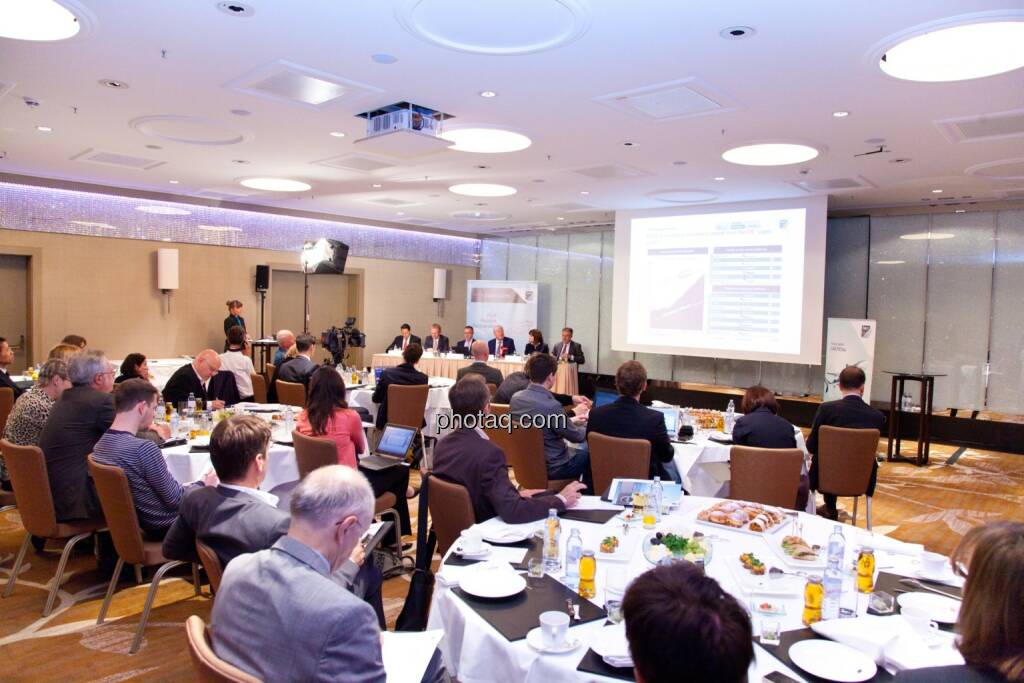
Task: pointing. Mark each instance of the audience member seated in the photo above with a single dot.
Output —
(535, 343)
(436, 341)
(285, 341)
(299, 369)
(681, 625)
(75, 340)
(465, 345)
(627, 419)
(537, 401)
(76, 422)
(327, 415)
(157, 495)
(405, 339)
(850, 411)
(63, 352)
(303, 626)
(134, 366)
(240, 365)
(480, 367)
(467, 457)
(6, 358)
(194, 378)
(27, 418)
(761, 426)
(990, 625)
(235, 517)
(501, 346)
(567, 350)
(518, 380)
(404, 374)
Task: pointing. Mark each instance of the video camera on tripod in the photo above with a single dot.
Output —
(337, 340)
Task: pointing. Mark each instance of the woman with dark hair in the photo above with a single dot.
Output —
(134, 366)
(761, 426)
(536, 343)
(991, 619)
(328, 416)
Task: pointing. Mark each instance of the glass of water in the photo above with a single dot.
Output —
(771, 632)
(535, 570)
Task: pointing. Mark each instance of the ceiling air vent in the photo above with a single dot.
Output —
(290, 83)
(609, 171)
(833, 184)
(99, 156)
(669, 101)
(361, 163)
(981, 127)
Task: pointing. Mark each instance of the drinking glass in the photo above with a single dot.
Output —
(614, 609)
(771, 632)
(535, 570)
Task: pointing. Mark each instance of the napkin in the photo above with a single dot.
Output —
(890, 641)
(891, 545)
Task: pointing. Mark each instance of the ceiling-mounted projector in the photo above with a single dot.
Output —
(404, 129)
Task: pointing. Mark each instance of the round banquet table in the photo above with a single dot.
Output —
(448, 365)
(160, 369)
(475, 651)
(437, 402)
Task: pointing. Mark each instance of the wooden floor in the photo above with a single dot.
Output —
(933, 505)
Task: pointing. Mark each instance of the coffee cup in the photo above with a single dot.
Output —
(919, 622)
(554, 626)
(934, 564)
(471, 542)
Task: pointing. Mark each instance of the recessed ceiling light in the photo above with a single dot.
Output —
(486, 140)
(584, 192)
(337, 134)
(482, 190)
(928, 236)
(719, 177)
(840, 114)
(163, 210)
(235, 9)
(92, 224)
(219, 228)
(173, 182)
(376, 184)
(37, 20)
(113, 83)
(737, 32)
(889, 263)
(400, 213)
(958, 53)
(770, 154)
(488, 94)
(560, 218)
(936, 191)
(275, 184)
(384, 58)
(960, 211)
(44, 129)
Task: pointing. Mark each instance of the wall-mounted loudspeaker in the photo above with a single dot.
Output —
(440, 284)
(262, 278)
(166, 269)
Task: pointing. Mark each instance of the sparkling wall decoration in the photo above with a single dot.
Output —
(73, 212)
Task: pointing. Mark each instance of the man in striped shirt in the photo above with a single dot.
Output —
(155, 492)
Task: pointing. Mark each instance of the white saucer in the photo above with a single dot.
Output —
(947, 577)
(535, 639)
(508, 535)
(936, 607)
(483, 553)
(832, 661)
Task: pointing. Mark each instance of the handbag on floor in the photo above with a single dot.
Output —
(413, 616)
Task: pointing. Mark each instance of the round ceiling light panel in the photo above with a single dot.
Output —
(486, 140)
(482, 190)
(275, 184)
(770, 154)
(495, 28)
(189, 130)
(683, 196)
(1003, 169)
(957, 53)
(41, 20)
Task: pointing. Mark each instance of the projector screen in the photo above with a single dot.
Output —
(743, 281)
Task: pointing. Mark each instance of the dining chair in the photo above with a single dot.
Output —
(259, 387)
(524, 452)
(451, 511)
(291, 393)
(6, 406)
(209, 667)
(119, 508)
(500, 408)
(846, 458)
(612, 457)
(493, 388)
(211, 563)
(770, 476)
(27, 469)
(407, 405)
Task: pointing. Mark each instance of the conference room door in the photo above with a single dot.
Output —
(14, 312)
(330, 303)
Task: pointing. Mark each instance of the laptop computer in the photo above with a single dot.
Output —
(671, 416)
(603, 397)
(392, 449)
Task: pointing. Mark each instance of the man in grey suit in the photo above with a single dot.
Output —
(568, 350)
(279, 616)
(480, 366)
(299, 369)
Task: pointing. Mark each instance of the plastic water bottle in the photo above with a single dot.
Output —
(836, 546)
(833, 579)
(191, 403)
(657, 498)
(552, 536)
(573, 552)
(730, 416)
(289, 421)
(175, 424)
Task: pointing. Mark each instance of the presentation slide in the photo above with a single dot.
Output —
(742, 281)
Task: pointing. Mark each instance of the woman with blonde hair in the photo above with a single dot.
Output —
(63, 352)
(991, 621)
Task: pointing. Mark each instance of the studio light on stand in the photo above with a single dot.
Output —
(321, 256)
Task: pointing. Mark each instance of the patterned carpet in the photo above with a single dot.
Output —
(933, 505)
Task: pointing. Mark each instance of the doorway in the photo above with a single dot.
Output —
(332, 298)
(14, 322)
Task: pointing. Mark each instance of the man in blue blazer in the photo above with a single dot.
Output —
(501, 345)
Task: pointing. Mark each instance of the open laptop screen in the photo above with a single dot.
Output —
(395, 440)
(671, 416)
(602, 397)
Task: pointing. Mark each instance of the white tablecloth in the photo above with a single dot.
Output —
(475, 651)
(186, 467)
(160, 369)
(437, 402)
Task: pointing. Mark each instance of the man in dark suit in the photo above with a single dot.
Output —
(850, 411)
(404, 374)
(300, 368)
(236, 517)
(6, 358)
(467, 457)
(568, 350)
(465, 345)
(501, 345)
(402, 341)
(76, 422)
(480, 367)
(436, 341)
(627, 419)
(193, 378)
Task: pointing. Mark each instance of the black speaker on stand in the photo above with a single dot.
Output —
(262, 285)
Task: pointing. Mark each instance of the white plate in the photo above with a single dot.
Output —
(483, 553)
(946, 577)
(936, 607)
(536, 640)
(492, 581)
(832, 661)
(611, 642)
(508, 535)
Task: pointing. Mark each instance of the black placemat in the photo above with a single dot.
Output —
(171, 443)
(791, 638)
(199, 449)
(533, 550)
(515, 617)
(592, 516)
(890, 583)
(593, 664)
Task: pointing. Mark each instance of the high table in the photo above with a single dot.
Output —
(475, 651)
(924, 438)
(448, 365)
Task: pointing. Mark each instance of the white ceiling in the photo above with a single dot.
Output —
(807, 59)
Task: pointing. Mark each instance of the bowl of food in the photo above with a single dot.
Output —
(667, 547)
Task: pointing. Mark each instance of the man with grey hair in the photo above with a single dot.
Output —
(285, 340)
(279, 616)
